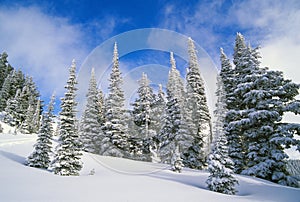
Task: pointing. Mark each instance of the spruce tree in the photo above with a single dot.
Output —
(234, 137)
(5, 91)
(175, 129)
(176, 161)
(170, 130)
(196, 107)
(158, 111)
(142, 107)
(68, 152)
(90, 133)
(115, 128)
(12, 115)
(220, 165)
(221, 178)
(5, 68)
(254, 120)
(40, 157)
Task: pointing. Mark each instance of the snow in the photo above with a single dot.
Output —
(114, 179)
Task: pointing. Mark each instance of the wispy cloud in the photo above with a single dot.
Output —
(271, 24)
(42, 46)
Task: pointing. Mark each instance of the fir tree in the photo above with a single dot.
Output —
(5, 68)
(5, 91)
(68, 152)
(234, 138)
(90, 132)
(142, 107)
(158, 111)
(40, 158)
(100, 106)
(196, 107)
(220, 167)
(12, 114)
(221, 109)
(256, 134)
(114, 127)
(170, 130)
(176, 161)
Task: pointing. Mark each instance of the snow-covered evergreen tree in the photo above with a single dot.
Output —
(175, 82)
(220, 165)
(170, 130)
(115, 128)
(5, 92)
(40, 157)
(234, 138)
(68, 152)
(90, 129)
(12, 116)
(176, 161)
(221, 178)
(158, 111)
(196, 107)
(100, 106)
(142, 106)
(5, 68)
(37, 117)
(175, 129)
(221, 109)
(256, 134)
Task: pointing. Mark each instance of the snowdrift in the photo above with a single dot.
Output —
(113, 179)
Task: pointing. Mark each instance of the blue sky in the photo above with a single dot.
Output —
(42, 37)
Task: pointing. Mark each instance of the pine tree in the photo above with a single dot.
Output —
(220, 167)
(158, 111)
(196, 107)
(175, 82)
(221, 109)
(176, 161)
(14, 81)
(234, 138)
(256, 134)
(142, 107)
(40, 158)
(100, 106)
(12, 114)
(90, 132)
(115, 128)
(266, 135)
(37, 117)
(5, 68)
(170, 130)
(27, 125)
(68, 152)
(5, 91)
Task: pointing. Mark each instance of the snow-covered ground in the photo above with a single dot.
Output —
(118, 180)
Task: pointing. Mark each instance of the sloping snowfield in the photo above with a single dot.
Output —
(118, 180)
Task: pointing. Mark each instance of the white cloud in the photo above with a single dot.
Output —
(271, 24)
(42, 46)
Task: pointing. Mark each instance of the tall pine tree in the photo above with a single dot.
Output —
(196, 107)
(115, 128)
(40, 157)
(68, 152)
(90, 129)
